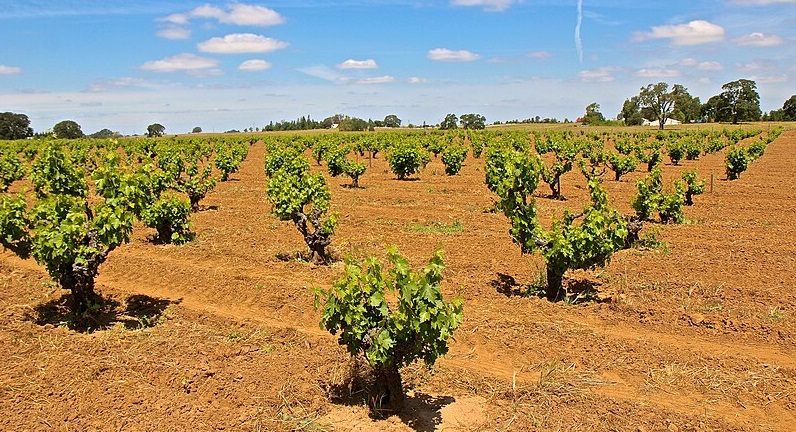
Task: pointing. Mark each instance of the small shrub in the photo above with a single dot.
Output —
(170, 217)
(417, 325)
(736, 162)
(406, 159)
(453, 156)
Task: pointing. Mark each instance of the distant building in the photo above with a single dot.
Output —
(656, 123)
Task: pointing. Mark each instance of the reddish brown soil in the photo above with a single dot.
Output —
(696, 337)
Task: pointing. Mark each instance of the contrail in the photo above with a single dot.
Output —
(578, 43)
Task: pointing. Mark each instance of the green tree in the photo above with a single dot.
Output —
(789, 109)
(657, 102)
(686, 107)
(196, 130)
(104, 133)
(450, 122)
(392, 121)
(631, 112)
(741, 102)
(68, 129)
(391, 318)
(14, 126)
(473, 121)
(593, 115)
(155, 130)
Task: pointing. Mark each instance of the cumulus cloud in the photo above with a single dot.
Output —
(358, 64)
(770, 79)
(417, 80)
(488, 5)
(754, 66)
(444, 54)
(376, 80)
(759, 40)
(657, 73)
(603, 74)
(688, 62)
(174, 33)
(236, 13)
(693, 33)
(10, 70)
(180, 62)
(241, 43)
(254, 65)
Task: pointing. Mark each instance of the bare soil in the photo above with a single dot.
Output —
(221, 334)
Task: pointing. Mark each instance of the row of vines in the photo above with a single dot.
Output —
(88, 194)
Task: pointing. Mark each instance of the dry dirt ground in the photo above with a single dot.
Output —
(221, 334)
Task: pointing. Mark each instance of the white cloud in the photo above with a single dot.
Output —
(10, 70)
(254, 65)
(444, 54)
(704, 80)
(694, 33)
(488, 5)
(180, 62)
(759, 40)
(539, 55)
(753, 66)
(417, 80)
(376, 80)
(771, 79)
(325, 73)
(174, 33)
(358, 64)
(603, 74)
(657, 73)
(101, 86)
(241, 43)
(710, 66)
(236, 13)
(688, 62)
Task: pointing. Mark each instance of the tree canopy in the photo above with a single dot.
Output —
(739, 101)
(155, 130)
(451, 121)
(593, 115)
(657, 102)
(631, 112)
(392, 121)
(14, 126)
(68, 129)
(473, 121)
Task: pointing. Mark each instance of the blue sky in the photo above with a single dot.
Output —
(221, 65)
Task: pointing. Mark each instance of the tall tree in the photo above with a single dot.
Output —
(473, 121)
(789, 109)
(450, 122)
(631, 112)
(68, 129)
(741, 101)
(593, 115)
(14, 126)
(686, 107)
(657, 102)
(155, 130)
(392, 121)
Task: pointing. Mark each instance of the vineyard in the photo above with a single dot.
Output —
(600, 279)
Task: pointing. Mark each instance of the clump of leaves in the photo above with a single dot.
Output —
(406, 159)
(453, 156)
(416, 325)
(170, 216)
(736, 161)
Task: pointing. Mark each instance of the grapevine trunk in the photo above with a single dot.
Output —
(555, 283)
(388, 394)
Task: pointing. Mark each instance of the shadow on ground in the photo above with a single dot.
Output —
(134, 313)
